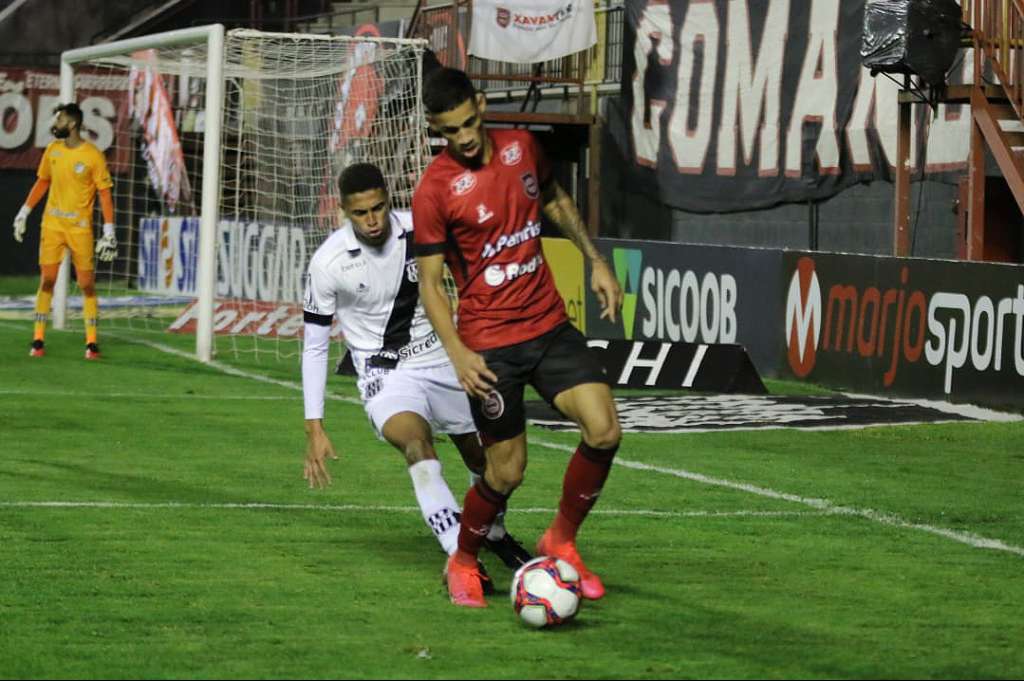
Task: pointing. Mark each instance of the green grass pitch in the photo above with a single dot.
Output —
(154, 523)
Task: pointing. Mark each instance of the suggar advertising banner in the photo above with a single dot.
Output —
(928, 328)
(693, 294)
(255, 261)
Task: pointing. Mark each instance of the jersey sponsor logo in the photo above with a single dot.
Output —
(530, 185)
(353, 265)
(530, 231)
(496, 275)
(493, 406)
(512, 154)
(79, 168)
(391, 357)
(483, 214)
(66, 214)
(463, 184)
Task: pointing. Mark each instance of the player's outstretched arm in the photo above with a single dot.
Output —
(21, 219)
(316, 343)
(470, 367)
(561, 209)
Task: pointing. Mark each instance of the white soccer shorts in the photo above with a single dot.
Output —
(432, 392)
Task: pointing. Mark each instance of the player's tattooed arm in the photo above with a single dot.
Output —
(561, 209)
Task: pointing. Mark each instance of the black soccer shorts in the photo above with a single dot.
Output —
(551, 363)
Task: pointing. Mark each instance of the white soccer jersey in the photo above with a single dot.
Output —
(374, 293)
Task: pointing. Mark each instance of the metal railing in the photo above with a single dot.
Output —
(446, 27)
(998, 31)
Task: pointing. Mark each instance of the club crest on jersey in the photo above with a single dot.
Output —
(463, 184)
(483, 214)
(412, 273)
(494, 406)
(79, 168)
(530, 185)
(512, 154)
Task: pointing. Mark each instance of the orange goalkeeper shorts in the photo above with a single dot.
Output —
(54, 240)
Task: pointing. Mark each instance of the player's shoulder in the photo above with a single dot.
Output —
(91, 149)
(337, 243)
(401, 219)
(438, 170)
(503, 136)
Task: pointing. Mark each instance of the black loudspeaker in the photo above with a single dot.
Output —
(917, 37)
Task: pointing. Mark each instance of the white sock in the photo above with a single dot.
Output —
(497, 530)
(436, 502)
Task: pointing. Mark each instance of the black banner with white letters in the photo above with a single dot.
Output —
(735, 105)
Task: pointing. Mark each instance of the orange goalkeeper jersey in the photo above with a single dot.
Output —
(75, 175)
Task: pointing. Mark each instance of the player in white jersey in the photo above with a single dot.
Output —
(365, 273)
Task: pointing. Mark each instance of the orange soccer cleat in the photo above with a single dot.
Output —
(590, 583)
(465, 584)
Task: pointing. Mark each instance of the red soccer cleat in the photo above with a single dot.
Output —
(465, 587)
(92, 351)
(590, 583)
(37, 349)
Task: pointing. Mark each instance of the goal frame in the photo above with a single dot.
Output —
(213, 37)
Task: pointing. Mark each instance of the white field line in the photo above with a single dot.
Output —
(822, 505)
(142, 396)
(356, 508)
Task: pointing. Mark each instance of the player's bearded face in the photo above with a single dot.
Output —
(61, 127)
(463, 128)
(368, 212)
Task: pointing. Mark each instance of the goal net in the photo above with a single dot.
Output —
(260, 174)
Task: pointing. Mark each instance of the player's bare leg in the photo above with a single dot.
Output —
(498, 540)
(506, 461)
(90, 311)
(44, 299)
(591, 406)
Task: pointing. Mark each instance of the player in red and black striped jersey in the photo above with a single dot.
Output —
(478, 207)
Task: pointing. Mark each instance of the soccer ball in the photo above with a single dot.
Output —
(546, 592)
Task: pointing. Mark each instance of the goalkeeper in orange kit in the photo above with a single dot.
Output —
(73, 170)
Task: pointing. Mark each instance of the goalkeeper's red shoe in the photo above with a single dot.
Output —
(37, 349)
(92, 351)
(465, 586)
(590, 584)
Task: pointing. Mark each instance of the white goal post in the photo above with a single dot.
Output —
(213, 37)
(255, 126)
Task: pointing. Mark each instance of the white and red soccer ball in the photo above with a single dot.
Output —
(546, 592)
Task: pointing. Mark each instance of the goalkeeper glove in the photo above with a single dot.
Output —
(19, 223)
(106, 247)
